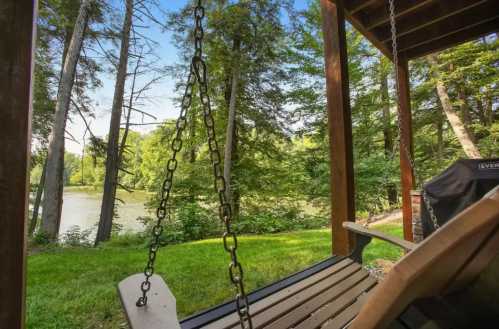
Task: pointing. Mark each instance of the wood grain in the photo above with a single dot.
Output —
(339, 125)
(16, 65)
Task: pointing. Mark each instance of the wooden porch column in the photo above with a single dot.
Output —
(339, 123)
(17, 23)
(406, 173)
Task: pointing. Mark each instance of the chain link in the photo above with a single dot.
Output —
(230, 244)
(402, 144)
(393, 28)
(162, 210)
(431, 211)
(198, 72)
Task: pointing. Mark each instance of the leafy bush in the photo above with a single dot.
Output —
(280, 219)
(75, 237)
(189, 222)
(40, 239)
(197, 222)
(192, 221)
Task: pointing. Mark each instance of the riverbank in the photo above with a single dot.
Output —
(76, 287)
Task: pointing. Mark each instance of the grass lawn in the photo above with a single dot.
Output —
(75, 288)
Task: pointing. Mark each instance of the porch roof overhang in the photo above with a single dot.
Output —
(423, 26)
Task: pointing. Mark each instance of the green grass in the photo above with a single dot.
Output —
(76, 287)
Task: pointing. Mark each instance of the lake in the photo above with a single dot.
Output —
(82, 208)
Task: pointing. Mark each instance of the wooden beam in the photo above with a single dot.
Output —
(358, 24)
(354, 6)
(339, 123)
(432, 14)
(406, 172)
(360, 229)
(380, 16)
(453, 39)
(17, 23)
(455, 24)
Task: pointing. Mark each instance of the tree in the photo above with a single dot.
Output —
(43, 110)
(230, 140)
(52, 206)
(457, 125)
(391, 190)
(137, 64)
(245, 45)
(112, 159)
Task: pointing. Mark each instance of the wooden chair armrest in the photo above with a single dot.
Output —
(359, 229)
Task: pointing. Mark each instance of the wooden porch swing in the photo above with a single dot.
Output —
(430, 287)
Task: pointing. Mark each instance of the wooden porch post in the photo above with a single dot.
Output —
(406, 173)
(339, 123)
(17, 23)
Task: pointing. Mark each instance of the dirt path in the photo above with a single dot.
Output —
(388, 217)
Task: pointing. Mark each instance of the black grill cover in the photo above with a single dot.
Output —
(459, 186)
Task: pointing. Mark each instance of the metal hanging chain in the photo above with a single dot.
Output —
(225, 211)
(162, 210)
(198, 73)
(402, 145)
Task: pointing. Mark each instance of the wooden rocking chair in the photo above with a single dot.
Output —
(427, 288)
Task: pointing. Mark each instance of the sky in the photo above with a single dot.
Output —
(161, 95)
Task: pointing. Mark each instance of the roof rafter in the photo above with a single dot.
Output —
(423, 26)
(433, 14)
(451, 25)
(380, 16)
(466, 34)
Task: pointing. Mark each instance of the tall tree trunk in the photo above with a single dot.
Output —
(236, 194)
(440, 136)
(52, 203)
(231, 122)
(112, 159)
(391, 190)
(192, 152)
(489, 114)
(38, 200)
(82, 159)
(457, 125)
(465, 112)
(480, 111)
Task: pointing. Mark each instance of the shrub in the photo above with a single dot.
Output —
(75, 237)
(188, 222)
(40, 239)
(279, 219)
(196, 222)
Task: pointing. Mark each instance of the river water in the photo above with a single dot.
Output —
(82, 209)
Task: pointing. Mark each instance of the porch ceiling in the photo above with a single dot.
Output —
(423, 26)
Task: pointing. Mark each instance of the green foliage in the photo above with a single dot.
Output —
(188, 222)
(40, 239)
(489, 143)
(197, 222)
(76, 237)
(278, 219)
(71, 165)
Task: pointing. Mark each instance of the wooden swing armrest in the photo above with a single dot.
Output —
(361, 230)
